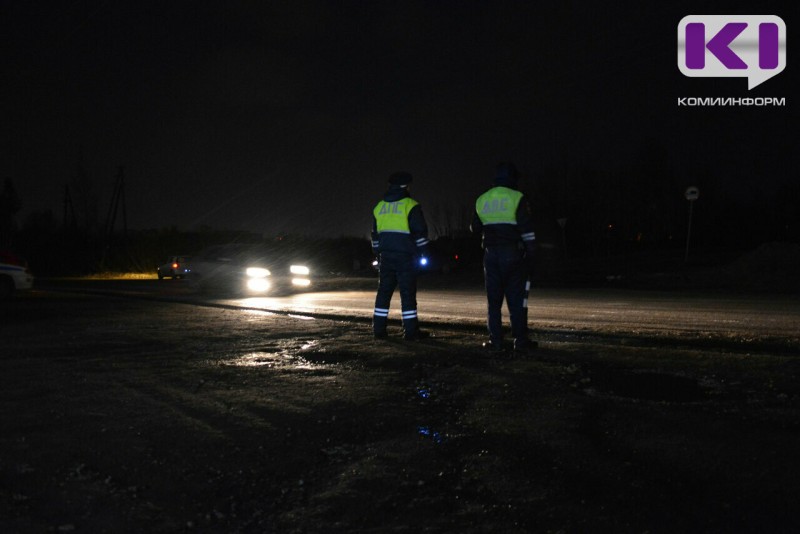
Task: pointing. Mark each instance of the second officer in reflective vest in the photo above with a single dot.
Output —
(399, 239)
(503, 217)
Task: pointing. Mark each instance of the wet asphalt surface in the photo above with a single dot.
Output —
(143, 407)
(731, 320)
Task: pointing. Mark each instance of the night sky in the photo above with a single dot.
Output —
(287, 117)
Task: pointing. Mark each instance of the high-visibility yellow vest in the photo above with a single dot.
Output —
(393, 216)
(498, 206)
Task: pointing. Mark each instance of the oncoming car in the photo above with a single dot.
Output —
(249, 269)
(14, 274)
(175, 267)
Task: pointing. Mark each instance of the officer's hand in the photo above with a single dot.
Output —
(529, 261)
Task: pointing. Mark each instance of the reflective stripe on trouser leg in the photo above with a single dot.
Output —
(379, 320)
(517, 299)
(386, 285)
(409, 314)
(527, 294)
(524, 313)
(410, 322)
(407, 284)
(494, 297)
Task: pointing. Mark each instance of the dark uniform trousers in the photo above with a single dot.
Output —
(506, 275)
(397, 270)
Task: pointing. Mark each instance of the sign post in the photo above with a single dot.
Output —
(692, 193)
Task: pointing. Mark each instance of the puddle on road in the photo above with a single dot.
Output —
(302, 317)
(257, 359)
(323, 357)
(269, 306)
(280, 361)
(300, 355)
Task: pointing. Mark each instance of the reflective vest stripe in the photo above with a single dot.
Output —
(393, 216)
(498, 206)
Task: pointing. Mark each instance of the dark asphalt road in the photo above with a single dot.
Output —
(751, 320)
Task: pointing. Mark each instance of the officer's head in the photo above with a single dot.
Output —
(506, 174)
(400, 179)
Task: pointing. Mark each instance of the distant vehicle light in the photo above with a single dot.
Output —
(423, 261)
(258, 284)
(302, 282)
(299, 269)
(257, 272)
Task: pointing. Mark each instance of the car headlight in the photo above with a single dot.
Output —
(299, 269)
(258, 284)
(257, 272)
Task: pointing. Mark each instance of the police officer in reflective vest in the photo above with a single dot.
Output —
(399, 238)
(503, 216)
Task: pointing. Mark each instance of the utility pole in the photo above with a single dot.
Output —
(117, 198)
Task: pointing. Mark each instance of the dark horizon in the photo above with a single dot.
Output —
(289, 118)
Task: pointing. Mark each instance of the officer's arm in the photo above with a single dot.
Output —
(419, 229)
(525, 226)
(375, 240)
(476, 226)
